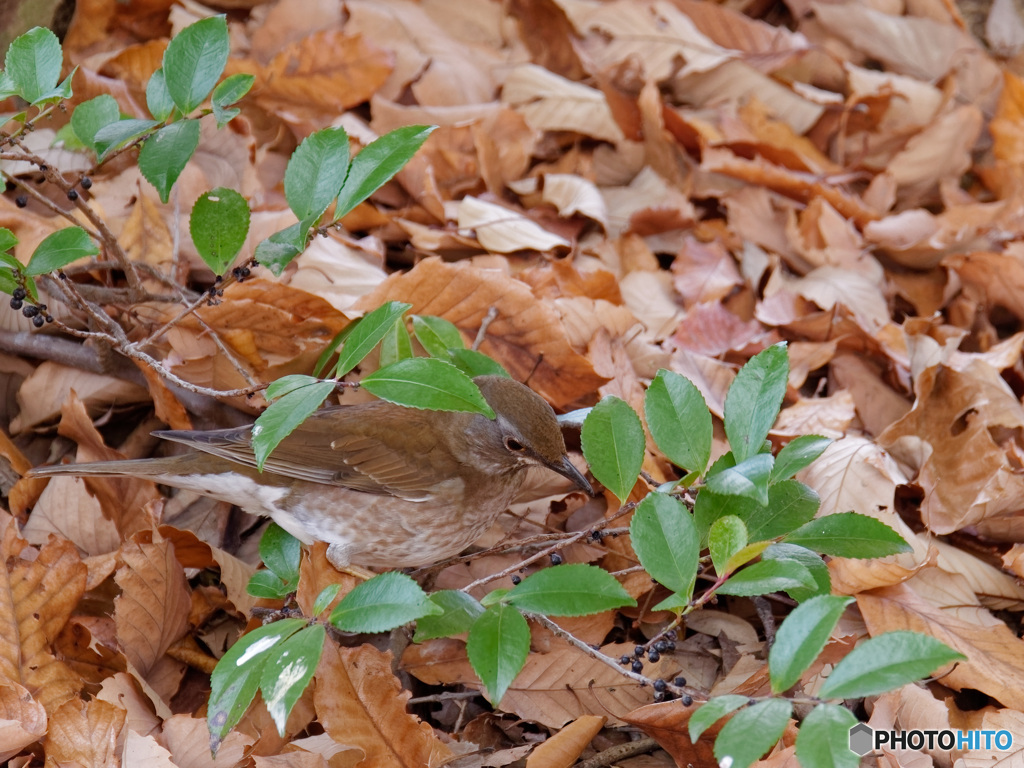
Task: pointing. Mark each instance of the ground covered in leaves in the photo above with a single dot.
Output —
(615, 187)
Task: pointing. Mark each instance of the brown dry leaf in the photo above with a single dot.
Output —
(564, 748)
(326, 72)
(316, 574)
(502, 230)
(667, 723)
(360, 704)
(22, 719)
(86, 734)
(188, 740)
(995, 656)
(38, 598)
(152, 610)
(525, 337)
(67, 509)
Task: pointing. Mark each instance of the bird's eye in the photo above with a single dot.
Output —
(513, 445)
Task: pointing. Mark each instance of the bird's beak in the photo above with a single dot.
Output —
(566, 469)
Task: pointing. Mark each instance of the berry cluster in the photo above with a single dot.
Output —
(36, 312)
(635, 663)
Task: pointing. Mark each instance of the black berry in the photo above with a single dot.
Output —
(19, 294)
(21, 201)
(661, 646)
(687, 700)
(38, 321)
(556, 559)
(624, 660)
(72, 194)
(30, 310)
(660, 685)
(16, 303)
(639, 651)
(654, 655)
(516, 579)
(638, 666)
(86, 182)
(680, 681)
(49, 318)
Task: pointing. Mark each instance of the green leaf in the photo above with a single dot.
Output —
(288, 670)
(113, 135)
(268, 585)
(164, 155)
(277, 251)
(421, 382)
(396, 345)
(7, 241)
(790, 505)
(473, 363)
(227, 93)
(194, 61)
(459, 612)
(752, 731)
(849, 534)
(744, 555)
(92, 115)
(824, 738)
(498, 644)
(219, 225)
(665, 540)
(754, 399)
(437, 335)
(33, 63)
(324, 599)
(367, 333)
(284, 415)
(236, 677)
(809, 560)
(316, 172)
(281, 553)
(885, 663)
(59, 249)
(712, 711)
(765, 577)
(728, 535)
(381, 604)
(613, 444)
(377, 163)
(679, 420)
(797, 454)
(801, 638)
(158, 98)
(749, 478)
(576, 589)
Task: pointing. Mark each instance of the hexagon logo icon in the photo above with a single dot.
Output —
(861, 739)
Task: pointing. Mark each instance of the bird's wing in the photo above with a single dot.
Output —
(372, 449)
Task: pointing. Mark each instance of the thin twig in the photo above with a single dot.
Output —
(620, 752)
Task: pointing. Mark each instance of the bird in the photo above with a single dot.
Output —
(384, 485)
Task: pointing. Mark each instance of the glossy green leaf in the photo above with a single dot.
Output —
(797, 454)
(824, 738)
(325, 598)
(613, 444)
(679, 420)
(277, 251)
(219, 225)
(665, 540)
(396, 345)
(92, 115)
(230, 90)
(436, 335)
(367, 334)
(113, 135)
(498, 644)
(60, 248)
(237, 675)
(158, 98)
(421, 382)
(802, 637)
(849, 534)
(751, 732)
(194, 61)
(381, 604)
(576, 589)
(809, 560)
(165, 154)
(459, 611)
(377, 163)
(33, 63)
(885, 663)
(790, 505)
(284, 415)
(473, 363)
(281, 553)
(728, 535)
(712, 711)
(765, 577)
(749, 478)
(267, 584)
(288, 670)
(316, 172)
(753, 401)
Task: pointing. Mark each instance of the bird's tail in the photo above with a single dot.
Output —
(129, 467)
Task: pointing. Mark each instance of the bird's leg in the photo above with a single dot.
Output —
(338, 555)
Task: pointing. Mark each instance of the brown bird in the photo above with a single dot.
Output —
(384, 485)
